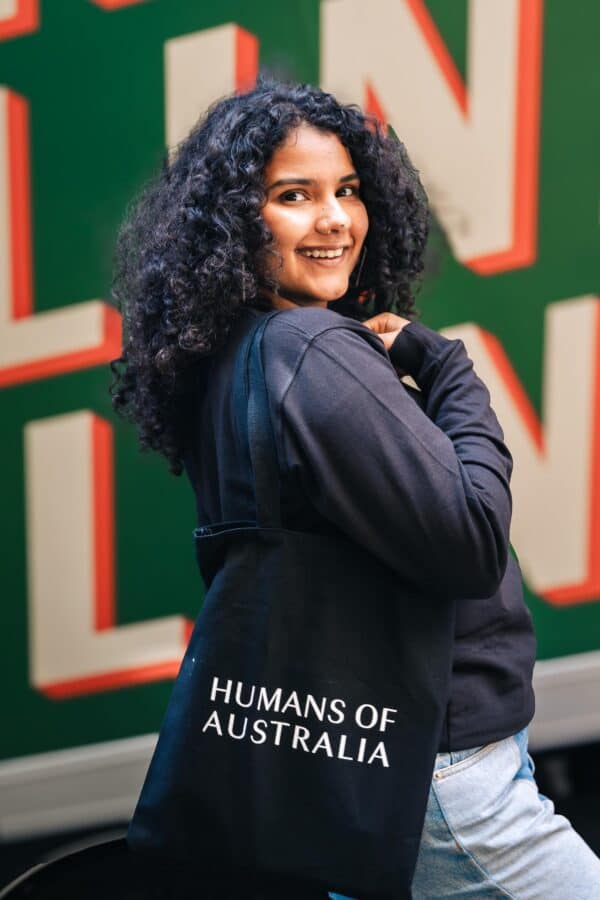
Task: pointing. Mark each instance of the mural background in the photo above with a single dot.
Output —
(94, 79)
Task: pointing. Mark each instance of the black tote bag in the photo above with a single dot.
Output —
(299, 741)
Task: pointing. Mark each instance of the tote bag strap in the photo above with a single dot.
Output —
(255, 428)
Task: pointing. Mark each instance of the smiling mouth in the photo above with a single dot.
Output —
(329, 256)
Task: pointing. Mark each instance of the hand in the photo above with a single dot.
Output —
(388, 326)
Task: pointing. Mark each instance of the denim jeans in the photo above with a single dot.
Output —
(489, 833)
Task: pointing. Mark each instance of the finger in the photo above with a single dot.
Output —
(379, 323)
(388, 339)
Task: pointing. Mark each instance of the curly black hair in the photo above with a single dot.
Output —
(193, 247)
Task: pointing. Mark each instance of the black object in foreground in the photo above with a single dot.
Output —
(100, 871)
(300, 737)
(107, 871)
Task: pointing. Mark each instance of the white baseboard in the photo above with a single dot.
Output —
(98, 784)
(567, 697)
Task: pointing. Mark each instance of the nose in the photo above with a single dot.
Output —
(332, 218)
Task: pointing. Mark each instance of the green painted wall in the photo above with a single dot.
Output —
(95, 84)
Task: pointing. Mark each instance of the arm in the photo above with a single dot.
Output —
(426, 490)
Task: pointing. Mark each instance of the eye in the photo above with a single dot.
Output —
(292, 196)
(348, 190)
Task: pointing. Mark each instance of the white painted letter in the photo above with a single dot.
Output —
(556, 477)
(48, 343)
(18, 17)
(202, 67)
(75, 645)
(475, 145)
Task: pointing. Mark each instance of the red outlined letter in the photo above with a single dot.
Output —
(39, 345)
(556, 477)
(202, 66)
(18, 17)
(476, 145)
(109, 5)
(75, 645)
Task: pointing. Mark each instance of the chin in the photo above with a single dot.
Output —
(311, 293)
(333, 293)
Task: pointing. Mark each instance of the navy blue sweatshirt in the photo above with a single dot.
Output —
(418, 477)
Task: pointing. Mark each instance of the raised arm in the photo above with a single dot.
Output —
(426, 490)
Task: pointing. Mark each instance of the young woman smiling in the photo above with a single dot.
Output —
(315, 209)
(284, 199)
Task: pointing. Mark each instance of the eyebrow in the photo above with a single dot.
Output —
(308, 181)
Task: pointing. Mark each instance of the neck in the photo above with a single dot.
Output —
(286, 299)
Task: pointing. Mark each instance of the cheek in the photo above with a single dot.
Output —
(280, 263)
(362, 222)
(284, 227)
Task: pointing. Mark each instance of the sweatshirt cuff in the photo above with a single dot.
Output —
(415, 347)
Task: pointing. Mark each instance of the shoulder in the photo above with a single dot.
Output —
(303, 327)
(315, 351)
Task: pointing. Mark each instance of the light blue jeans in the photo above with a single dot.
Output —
(489, 833)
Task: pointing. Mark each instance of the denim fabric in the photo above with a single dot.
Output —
(489, 833)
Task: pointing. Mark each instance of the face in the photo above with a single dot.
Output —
(316, 216)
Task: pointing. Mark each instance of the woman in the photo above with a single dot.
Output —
(284, 199)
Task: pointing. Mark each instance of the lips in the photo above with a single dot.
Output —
(337, 250)
(327, 256)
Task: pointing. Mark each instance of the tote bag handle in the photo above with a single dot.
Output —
(255, 428)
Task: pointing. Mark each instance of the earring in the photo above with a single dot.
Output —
(361, 262)
(243, 283)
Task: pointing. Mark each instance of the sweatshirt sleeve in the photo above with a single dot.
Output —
(425, 487)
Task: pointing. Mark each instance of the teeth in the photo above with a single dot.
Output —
(323, 254)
